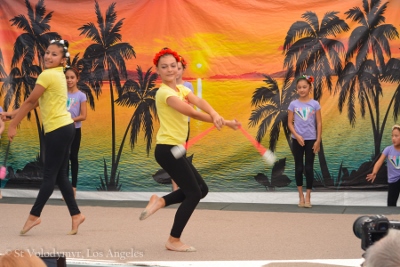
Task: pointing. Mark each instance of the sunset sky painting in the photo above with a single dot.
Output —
(226, 37)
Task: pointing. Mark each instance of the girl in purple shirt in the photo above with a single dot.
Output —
(305, 124)
(392, 154)
(76, 105)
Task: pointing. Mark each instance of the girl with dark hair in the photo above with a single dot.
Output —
(305, 124)
(392, 155)
(50, 94)
(76, 105)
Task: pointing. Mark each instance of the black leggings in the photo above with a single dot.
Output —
(73, 157)
(192, 187)
(393, 193)
(57, 146)
(298, 153)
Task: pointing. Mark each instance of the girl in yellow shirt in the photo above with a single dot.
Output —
(173, 109)
(50, 94)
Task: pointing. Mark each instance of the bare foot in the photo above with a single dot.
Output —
(76, 221)
(31, 222)
(175, 244)
(155, 203)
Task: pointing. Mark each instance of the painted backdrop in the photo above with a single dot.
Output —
(243, 57)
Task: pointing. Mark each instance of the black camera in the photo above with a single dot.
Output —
(372, 228)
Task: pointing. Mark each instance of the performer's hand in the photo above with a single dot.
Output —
(5, 116)
(12, 131)
(300, 140)
(371, 177)
(316, 147)
(233, 124)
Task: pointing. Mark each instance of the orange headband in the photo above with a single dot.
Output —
(165, 51)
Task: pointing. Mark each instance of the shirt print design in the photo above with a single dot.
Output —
(304, 113)
(72, 102)
(395, 160)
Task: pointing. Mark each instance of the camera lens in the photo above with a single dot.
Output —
(357, 226)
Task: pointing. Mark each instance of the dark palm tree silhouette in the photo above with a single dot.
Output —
(309, 50)
(27, 60)
(392, 74)
(372, 35)
(364, 72)
(36, 36)
(271, 112)
(271, 109)
(106, 58)
(139, 94)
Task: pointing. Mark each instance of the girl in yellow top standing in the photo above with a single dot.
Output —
(173, 109)
(50, 94)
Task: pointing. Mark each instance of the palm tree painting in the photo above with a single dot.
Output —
(365, 68)
(271, 112)
(106, 58)
(140, 95)
(271, 109)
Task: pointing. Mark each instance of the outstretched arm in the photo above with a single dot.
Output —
(30, 103)
(9, 115)
(209, 114)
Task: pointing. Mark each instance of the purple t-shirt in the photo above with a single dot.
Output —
(74, 105)
(305, 123)
(190, 86)
(393, 163)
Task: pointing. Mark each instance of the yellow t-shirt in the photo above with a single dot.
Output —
(173, 124)
(53, 102)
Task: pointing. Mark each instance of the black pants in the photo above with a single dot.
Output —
(192, 187)
(308, 167)
(393, 193)
(73, 157)
(57, 147)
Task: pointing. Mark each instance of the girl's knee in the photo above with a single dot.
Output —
(195, 196)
